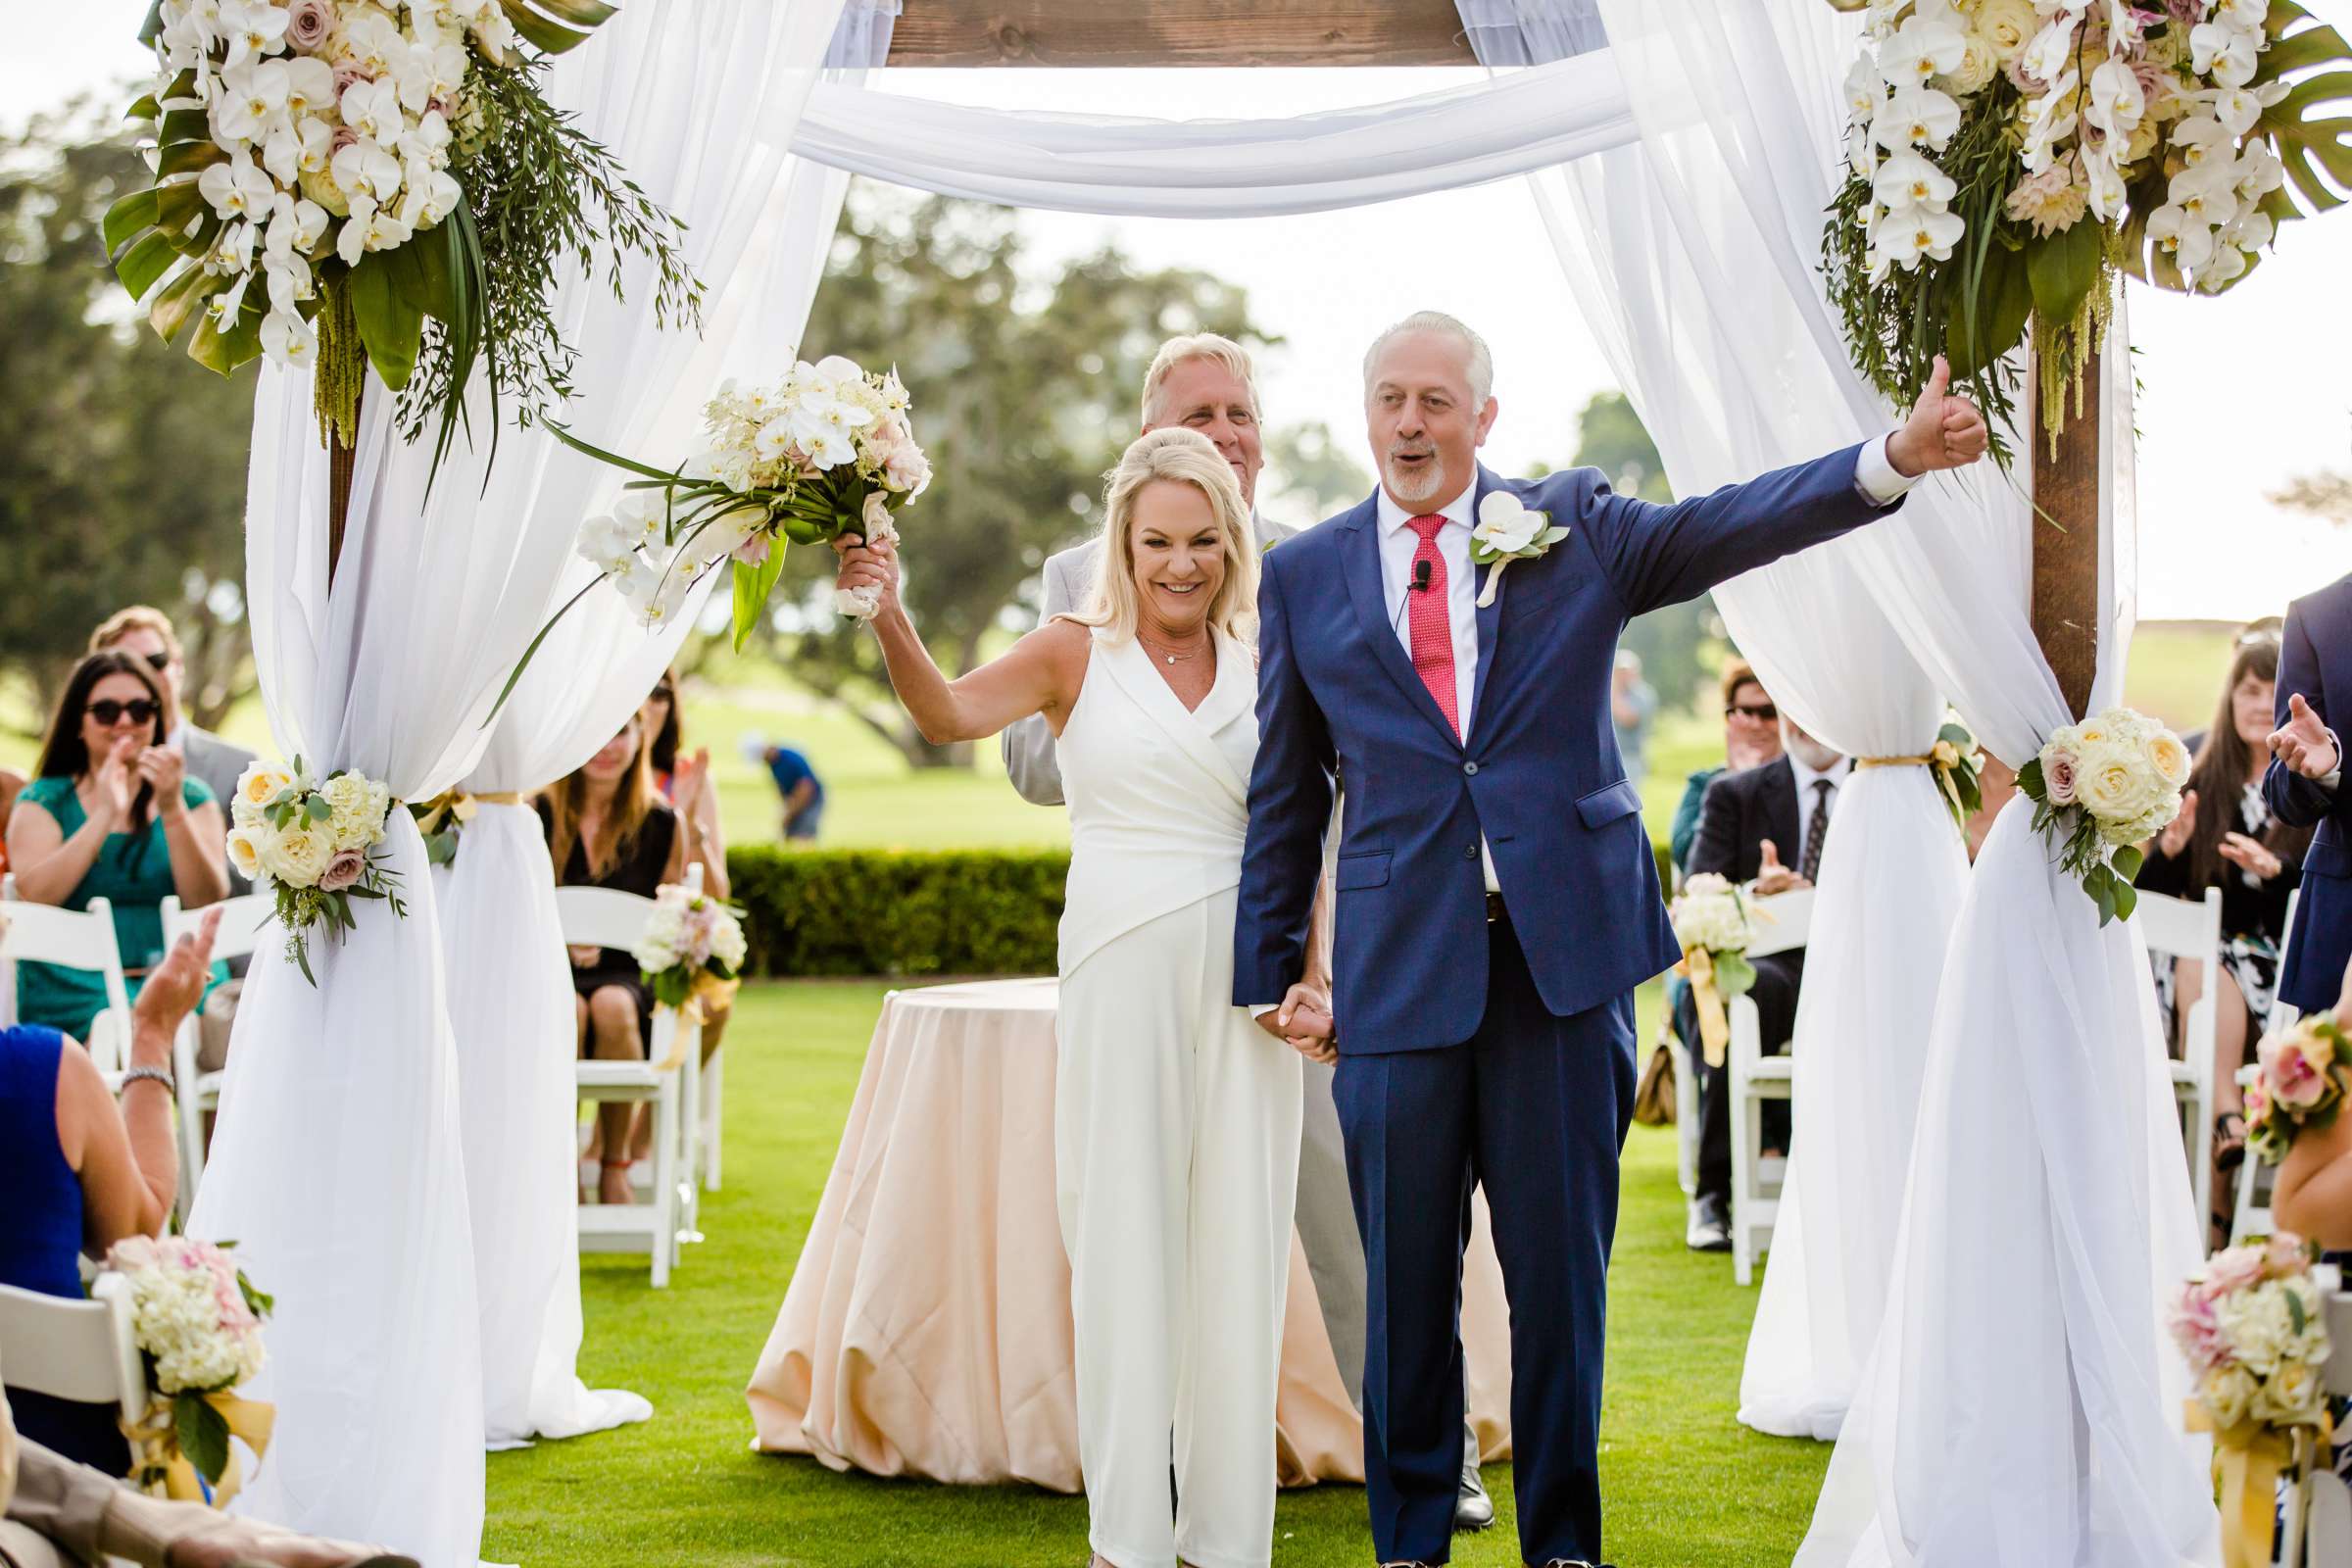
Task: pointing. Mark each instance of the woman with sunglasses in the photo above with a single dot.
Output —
(113, 815)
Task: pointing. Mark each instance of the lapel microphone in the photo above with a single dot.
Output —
(1420, 576)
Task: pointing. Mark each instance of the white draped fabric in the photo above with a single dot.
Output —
(1223, 167)
(1656, 245)
(337, 1164)
(2020, 1405)
(758, 224)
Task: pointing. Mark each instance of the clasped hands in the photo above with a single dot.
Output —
(1303, 1022)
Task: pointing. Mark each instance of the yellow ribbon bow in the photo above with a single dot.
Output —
(708, 994)
(1714, 1027)
(155, 1451)
(2249, 1458)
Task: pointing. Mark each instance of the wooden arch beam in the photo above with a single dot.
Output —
(1196, 32)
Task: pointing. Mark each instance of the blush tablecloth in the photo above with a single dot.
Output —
(926, 1331)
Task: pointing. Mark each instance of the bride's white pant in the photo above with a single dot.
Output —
(1176, 1150)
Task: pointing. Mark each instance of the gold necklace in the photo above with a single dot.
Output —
(1167, 657)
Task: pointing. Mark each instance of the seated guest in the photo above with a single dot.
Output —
(684, 777)
(145, 633)
(11, 784)
(609, 827)
(1748, 817)
(1752, 737)
(112, 815)
(81, 1172)
(2225, 836)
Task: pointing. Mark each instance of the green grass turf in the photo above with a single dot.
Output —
(1685, 1484)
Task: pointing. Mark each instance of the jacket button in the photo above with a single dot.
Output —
(1470, 770)
(1470, 854)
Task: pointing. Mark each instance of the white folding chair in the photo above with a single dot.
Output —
(2316, 1530)
(70, 1349)
(607, 917)
(243, 922)
(714, 1079)
(2252, 1214)
(1755, 1079)
(2177, 929)
(73, 939)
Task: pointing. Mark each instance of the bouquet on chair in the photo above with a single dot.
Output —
(691, 950)
(197, 1320)
(2298, 1083)
(313, 845)
(1714, 922)
(2253, 1327)
(2100, 789)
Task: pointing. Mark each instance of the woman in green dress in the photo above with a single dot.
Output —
(111, 815)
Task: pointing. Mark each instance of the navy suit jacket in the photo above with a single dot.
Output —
(2315, 660)
(1540, 776)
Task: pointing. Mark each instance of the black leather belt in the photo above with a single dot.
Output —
(1495, 910)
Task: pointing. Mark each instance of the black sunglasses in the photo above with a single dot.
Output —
(106, 712)
(1765, 714)
(159, 662)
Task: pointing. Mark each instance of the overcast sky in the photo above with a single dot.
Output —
(2239, 394)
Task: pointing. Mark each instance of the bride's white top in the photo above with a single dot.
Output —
(1159, 795)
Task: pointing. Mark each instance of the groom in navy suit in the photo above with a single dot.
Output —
(1498, 899)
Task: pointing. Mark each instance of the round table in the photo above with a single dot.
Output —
(926, 1331)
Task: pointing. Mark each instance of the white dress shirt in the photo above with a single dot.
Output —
(1834, 775)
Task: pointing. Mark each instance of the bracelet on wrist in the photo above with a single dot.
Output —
(152, 1075)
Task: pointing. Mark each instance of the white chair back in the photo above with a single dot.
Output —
(1782, 922)
(2191, 928)
(244, 922)
(2181, 928)
(69, 1349)
(73, 938)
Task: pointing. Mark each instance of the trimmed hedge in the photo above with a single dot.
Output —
(906, 912)
(899, 912)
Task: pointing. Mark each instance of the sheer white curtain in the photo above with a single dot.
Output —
(2020, 1404)
(1657, 247)
(509, 988)
(337, 1162)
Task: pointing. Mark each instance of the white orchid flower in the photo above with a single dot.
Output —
(1909, 238)
(838, 370)
(2250, 230)
(253, 31)
(1864, 88)
(2116, 102)
(288, 340)
(1921, 49)
(252, 101)
(2187, 240)
(775, 437)
(2104, 183)
(2206, 194)
(427, 139)
(2248, 15)
(1505, 526)
(364, 168)
(2227, 264)
(310, 84)
(2236, 108)
(316, 140)
(2226, 52)
(237, 188)
(1906, 180)
(372, 108)
(2048, 120)
(224, 307)
(1916, 117)
(609, 544)
(288, 282)
(2048, 54)
(2199, 137)
(374, 42)
(831, 447)
(2257, 173)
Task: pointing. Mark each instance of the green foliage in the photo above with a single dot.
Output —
(1674, 642)
(867, 911)
(1312, 473)
(123, 474)
(203, 1435)
(1024, 390)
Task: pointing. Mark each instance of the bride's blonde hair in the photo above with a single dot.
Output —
(1183, 456)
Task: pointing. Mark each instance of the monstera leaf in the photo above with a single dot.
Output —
(2308, 139)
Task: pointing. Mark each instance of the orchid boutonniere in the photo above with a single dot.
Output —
(1508, 531)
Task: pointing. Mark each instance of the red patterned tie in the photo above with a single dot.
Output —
(1432, 626)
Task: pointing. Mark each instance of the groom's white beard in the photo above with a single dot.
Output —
(1412, 490)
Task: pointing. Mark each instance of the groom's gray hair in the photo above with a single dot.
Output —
(1482, 362)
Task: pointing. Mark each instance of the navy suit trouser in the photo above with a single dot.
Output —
(1534, 1108)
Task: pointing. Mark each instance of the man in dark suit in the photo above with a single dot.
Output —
(2304, 787)
(1765, 827)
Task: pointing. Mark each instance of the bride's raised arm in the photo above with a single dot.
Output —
(1039, 674)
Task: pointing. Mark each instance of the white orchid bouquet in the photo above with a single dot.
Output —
(827, 452)
(2253, 1327)
(1509, 530)
(2299, 1085)
(333, 174)
(1715, 923)
(2100, 789)
(311, 842)
(2006, 157)
(692, 948)
(197, 1320)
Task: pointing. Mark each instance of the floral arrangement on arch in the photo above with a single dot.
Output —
(312, 844)
(2006, 158)
(2298, 1085)
(2253, 1327)
(197, 1320)
(1956, 762)
(1715, 923)
(691, 949)
(2100, 789)
(346, 183)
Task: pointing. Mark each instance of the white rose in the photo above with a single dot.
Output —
(299, 856)
(2257, 1325)
(2291, 1394)
(358, 819)
(257, 787)
(2228, 1394)
(1979, 64)
(245, 851)
(2006, 26)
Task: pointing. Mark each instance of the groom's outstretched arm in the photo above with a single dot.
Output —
(1290, 806)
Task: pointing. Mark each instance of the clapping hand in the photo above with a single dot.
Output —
(2250, 854)
(2174, 836)
(1943, 431)
(113, 782)
(174, 987)
(166, 770)
(689, 783)
(2302, 743)
(1772, 877)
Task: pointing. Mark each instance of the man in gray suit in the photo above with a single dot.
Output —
(146, 632)
(1204, 382)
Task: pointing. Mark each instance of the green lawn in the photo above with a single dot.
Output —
(1686, 1485)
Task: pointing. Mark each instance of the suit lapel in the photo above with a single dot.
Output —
(1489, 617)
(1361, 553)
(1781, 820)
